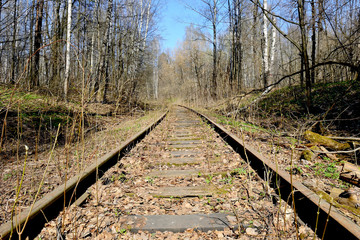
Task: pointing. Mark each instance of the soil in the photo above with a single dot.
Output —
(52, 163)
(320, 174)
(126, 189)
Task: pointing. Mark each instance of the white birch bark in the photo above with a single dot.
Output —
(68, 39)
(142, 10)
(147, 24)
(273, 48)
(92, 52)
(156, 69)
(266, 45)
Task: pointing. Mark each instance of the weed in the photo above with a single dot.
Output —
(239, 124)
(209, 179)
(122, 231)
(122, 178)
(345, 185)
(238, 171)
(150, 180)
(227, 180)
(295, 169)
(9, 175)
(326, 170)
(251, 222)
(117, 212)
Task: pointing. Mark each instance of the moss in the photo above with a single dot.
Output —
(330, 200)
(307, 155)
(325, 141)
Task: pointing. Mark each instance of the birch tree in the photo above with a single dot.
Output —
(265, 47)
(273, 50)
(68, 42)
(156, 50)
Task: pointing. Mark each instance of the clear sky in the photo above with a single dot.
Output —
(174, 20)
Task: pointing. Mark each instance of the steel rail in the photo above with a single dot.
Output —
(52, 203)
(335, 224)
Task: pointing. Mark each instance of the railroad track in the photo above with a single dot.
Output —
(183, 175)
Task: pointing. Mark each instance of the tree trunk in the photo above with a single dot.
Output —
(0, 8)
(35, 82)
(313, 40)
(238, 48)
(105, 52)
(266, 47)
(55, 47)
(14, 45)
(68, 42)
(214, 74)
(95, 26)
(304, 54)
(272, 52)
(231, 55)
(253, 43)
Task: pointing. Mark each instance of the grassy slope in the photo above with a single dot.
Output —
(32, 119)
(26, 114)
(335, 105)
(336, 110)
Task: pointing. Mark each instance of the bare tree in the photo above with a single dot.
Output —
(14, 44)
(235, 23)
(303, 52)
(266, 46)
(211, 12)
(104, 69)
(68, 44)
(35, 82)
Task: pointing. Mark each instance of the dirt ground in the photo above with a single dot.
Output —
(51, 167)
(321, 175)
(126, 189)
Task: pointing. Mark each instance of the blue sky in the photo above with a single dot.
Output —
(173, 23)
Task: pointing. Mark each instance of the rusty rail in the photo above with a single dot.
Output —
(336, 225)
(52, 203)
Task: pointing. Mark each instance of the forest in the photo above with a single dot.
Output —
(111, 50)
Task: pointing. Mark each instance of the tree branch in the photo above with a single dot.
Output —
(275, 26)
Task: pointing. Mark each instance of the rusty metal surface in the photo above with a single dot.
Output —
(52, 203)
(306, 201)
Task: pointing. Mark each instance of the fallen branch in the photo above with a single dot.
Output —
(346, 138)
(327, 152)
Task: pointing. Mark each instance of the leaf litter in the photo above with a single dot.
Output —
(125, 189)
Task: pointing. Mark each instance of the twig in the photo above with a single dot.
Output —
(327, 220)
(349, 151)
(346, 138)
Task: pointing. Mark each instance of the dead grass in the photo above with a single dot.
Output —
(33, 121)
